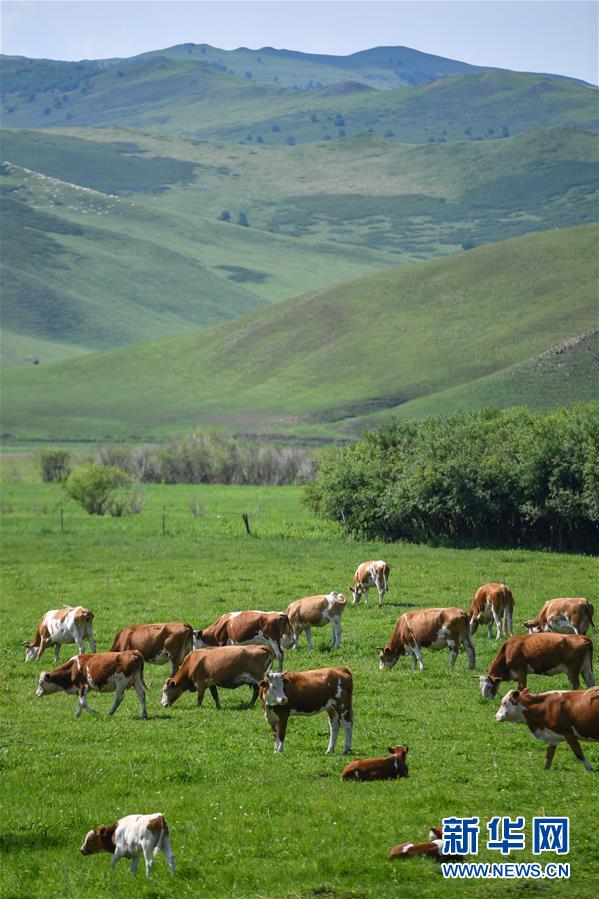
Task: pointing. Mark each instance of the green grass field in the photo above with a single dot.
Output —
(246, 823)
(328, 362)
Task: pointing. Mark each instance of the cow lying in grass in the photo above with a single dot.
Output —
(223, 666)
(431, 849)
(388, 767)
(539, 654)
(71, 624)
(131, 836)
(555, 717)
(104, 672)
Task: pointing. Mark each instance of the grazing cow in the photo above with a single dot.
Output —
(307, 693)
(239, 628)
(314, 611)
(158, 643)
(129, 837)
(370, 574)
(104, 672)
(72, 624)
(566, 616)
(493, 603)
(223, 666)
(539, 654)
(388, 767)
(553, 717)
(433, 629)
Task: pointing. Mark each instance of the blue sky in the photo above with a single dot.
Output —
(532, 35)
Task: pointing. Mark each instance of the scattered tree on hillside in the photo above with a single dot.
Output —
(389, 133)
(290, 140)
(248, 75)
(243, 220)
(100, 488)
(341, 132)
(505, 131)
(339, 121)
(313, 117)
(275, 128)
(225, 216)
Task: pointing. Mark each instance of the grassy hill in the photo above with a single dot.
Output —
(326, 362)
(84, 270)
(168, 94)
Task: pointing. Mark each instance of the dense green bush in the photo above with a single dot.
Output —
(101, 488)
(55, 464)
(509, 478)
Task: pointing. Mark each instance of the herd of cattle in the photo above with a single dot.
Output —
(241, 648)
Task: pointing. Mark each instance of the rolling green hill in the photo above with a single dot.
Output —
(170, 95)
(327, 362)
(86, 270)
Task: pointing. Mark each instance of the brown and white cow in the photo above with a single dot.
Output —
(493, 604)
(430, 628)
(158, 643)
(221, 666)
(554, 717)
(566, 616)
(240, 628)
(314, 611)
(370, 574)
(131, 836)
(388, 767)
(307, 693)
(104, 672)
(546, 654)
(71, 624)
(433, 848)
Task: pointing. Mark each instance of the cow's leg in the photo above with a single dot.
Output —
(82, 703)
(165, 846)
(417, 655)
(42, 647)
(507, 622)
(549, 755)
(148, 852)
(201, 688)
(381, 591)
(348, 725)
(255, 691)
(574, 678)
(336, 633)
(334, 725)
(574, 745)
(469, 647)
(455, 648)
(279, 730)
(56, 652)
(473, 625)
(522, 679)
(497, 621)
(141, 694)
(490, 630)
(308, 633)
(115, 858)
(134, 864)
(79, 640)
(90, 638)
(117, 701)
(366, 591)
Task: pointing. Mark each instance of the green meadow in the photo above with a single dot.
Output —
(245, 823)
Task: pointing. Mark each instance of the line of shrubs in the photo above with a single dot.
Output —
(510, 478)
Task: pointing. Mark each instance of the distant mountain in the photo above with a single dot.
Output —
(507, 323)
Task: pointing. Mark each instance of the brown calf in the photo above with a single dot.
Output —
(539, 654)
(432, 628)
(554, 717)
(307, 693)
(315, 611)
(239, 628)
(370, 574)
(158, 643)
(71, 624)
(493, 603)
(129, 838)
(388, 767)
(223, 666)
(566, 616)
(104, 672)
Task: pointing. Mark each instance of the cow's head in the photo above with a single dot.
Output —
(388, 658)
(400, 753)
(198, 642)
(100, 839)
(489, 685)
(356, 591)
(170, 692)
(531, 626)
(435, 833)
(511, 709)
(46, 685)
(272, 690)
(31, 651)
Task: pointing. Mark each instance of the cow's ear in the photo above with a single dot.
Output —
(26, 643)
(494, 678)
(46, 675)
(515, 695)
(263, 683)
(391, 750)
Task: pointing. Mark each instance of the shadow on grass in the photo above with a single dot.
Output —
(31, 839)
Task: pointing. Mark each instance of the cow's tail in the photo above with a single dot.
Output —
(590, 613)
(141, 669)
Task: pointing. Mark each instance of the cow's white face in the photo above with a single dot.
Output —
(275, 691)
(45, 685)
(31, 653)
(387, 659)
(170, 692)
(489, 686)
(198, 643)
(287, 640)
(510, 709)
